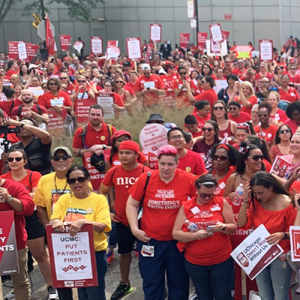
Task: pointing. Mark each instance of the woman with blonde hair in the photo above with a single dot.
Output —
(278, 116)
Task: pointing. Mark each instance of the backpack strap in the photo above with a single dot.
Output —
(30, 182)
(83, 134)
(109, 129)
(39, 109)
(19, 111)
(145, 189)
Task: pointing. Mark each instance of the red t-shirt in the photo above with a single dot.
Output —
(280, 116)
(242, 118)
(162, 201)
(295, 79)
(8, 106)
(11, 72)
(291, 95)
(222, 182)
(123, 180)
(134, 87)
(193, 163)
(201, 120)
(258, 76)
(267, 134)
(213, 249)
(45, 100)
(209, 95)
(18, 191)
(238, 72)
(252, 100)
(182, 97)
(70, 88)
(15, 111)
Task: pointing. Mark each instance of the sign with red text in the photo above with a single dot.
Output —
(112, 52)
(295, 242)
(184, 40)
(153, 136)
(65, 42)
(72, 258)
(202, 36)
(56, 121)
(13, 50)
(266, 50)
(221, 47)
(8, 245)
(96, 45)
(281, 167)
(216, 33)
(155, 32)
(107, 103)
(225, 34)
(152, 159)
(190, 9)
(32, 49)
(82, 107)
(243, 51)
(78, 45)
(254, 254)
(22, 51)
(227, 17)
(133, 46)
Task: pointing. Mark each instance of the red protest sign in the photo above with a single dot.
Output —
(184, 39)
(96, 45)
(243, 51)
(202, 37)
(31, 51)
(65, 42)
(225, 34)
(112, 43)
(56, 121)
(133, 46)
(13, 50)
(82, 107)
(295, 242)
(155, 32)
(8, 245)
(72, 258)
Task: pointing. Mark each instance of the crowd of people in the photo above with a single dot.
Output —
(181, 215)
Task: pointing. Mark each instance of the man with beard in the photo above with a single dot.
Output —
(30, 110)
(95, 137)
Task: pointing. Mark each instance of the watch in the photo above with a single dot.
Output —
(9, 199)
(104, 146)
(22, 125)
(224, 227)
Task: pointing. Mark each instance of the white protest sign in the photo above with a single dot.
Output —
(266, 50)
(96, 45)
(112, 52)
(57, 101)
(224, 50)
(295, 242)
(106, 101)
(149, 84)
(255, 253)
(133, 48)
(78, 46)
(155, 32)
(216, 33)
(22, 50)
(220, 84)
(152, 137)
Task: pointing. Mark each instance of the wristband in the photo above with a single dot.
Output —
(104, 147)
(224, 228)
(285, 236)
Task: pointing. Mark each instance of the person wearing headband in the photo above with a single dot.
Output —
(166, 189)
(207, 247)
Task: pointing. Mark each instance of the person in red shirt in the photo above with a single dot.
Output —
(202, 227)
(64, 78)
(236, 114)
(150, 87)
(133, 77)
(267, 202)
(278, 116)
(203, 113)
(263, 72)
(191, 124)
(240, 70)
(167, 188)
(189, 161)
(122, 177)
(294, 78)
(12, 68)
(168, 79)
(293, 113)
(286, 92)
(265, 130)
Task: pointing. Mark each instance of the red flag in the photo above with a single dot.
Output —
(49, 37)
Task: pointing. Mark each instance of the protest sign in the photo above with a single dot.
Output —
(295, 242)
(96, 45)
(243, 51)
(37, 91)
(13, 50)
(266, 50)
(281, 167)
(32, 49)
(155, 33)
(220, 84)
(152, 159)
(216, 33)
(82, 107)
(106, 101)
(65, 42)
(254, 254)
(214, 47)
(184, 40)
(8, 245)
(133, 46)
(152, 137)
(22, 52)
(72, 258)
(112, 52)
(223, 52)
(56, 121)
(193, 23)
(190, 9)
(78, 46)
(202, 36)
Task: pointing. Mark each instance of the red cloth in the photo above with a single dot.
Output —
(18, 191)
(193, 163)
(267, 134)
(45, 100)
(280, 116)
(34, 109)
(201, 120)
(141, 159)
(242, 118)
(291, 95)
(252, 100)
(209, 95)
(162, 201)
(50, 43)
(292, 124)
(11, 72)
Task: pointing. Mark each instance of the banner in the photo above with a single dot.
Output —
(133, 46)
(50, 43)
(225, 34)
(190, 9)
(82, 107)
(152, 137)
(8, 244)
(72, 258)
(216, 33)
(96, 45)
(295, 242)
(155, 33)
(32, 49)
(281, 167)
(65, 42)
(106, 101)
(56, 121)
(184, 40)
(266, 50)
(243, 51)
(13, 50)
(202, 37)
(22, 50)
(254, 254)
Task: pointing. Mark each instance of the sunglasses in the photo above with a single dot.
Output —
(263, 115)
(182, 73)
(87, 77)
(257, 157)
(172, 68)
(64, 157)
(53, 83)
(122, 139)
(232, 108)
(204, 195)
(207, 129)
(63, 78)
(81, 81)
(79, 179)
(284, 131)
(119, 81)
(18, 159)
(220, 157)
(218, 108)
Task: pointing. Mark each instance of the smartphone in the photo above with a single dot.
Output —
(210, 228)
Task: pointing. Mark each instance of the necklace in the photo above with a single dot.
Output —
(56, 190)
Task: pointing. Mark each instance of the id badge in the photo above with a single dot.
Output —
(147, 251)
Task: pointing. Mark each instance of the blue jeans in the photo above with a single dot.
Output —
(274, 280)
(112, 241)
(212, 281)
(167, 261)
(96, 292)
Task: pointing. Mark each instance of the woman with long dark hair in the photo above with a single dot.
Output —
(282, 142)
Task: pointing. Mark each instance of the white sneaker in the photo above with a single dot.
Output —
(53, 294)
(298, 290)
(193, 297)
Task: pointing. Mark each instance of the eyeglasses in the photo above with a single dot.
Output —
(81, 81)
(182, 73)
(263, 115)
(119, 81)
(284, 131)
(176, 137)
(53, 83)
(18, 159)
(207, 129)
(257, 157)
(220, 157)
(171, 67)
(204, 195)
(232, 108)
(108, 86)
(122, 139)
(218, 108)
(58, 157)
(87, 77)
(264, 82)
(79, 179)
(254, 112)
(61, 78)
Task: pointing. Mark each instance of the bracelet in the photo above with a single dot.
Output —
(285, 236)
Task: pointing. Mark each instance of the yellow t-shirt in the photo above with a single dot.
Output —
(47, 194)
(93, 208)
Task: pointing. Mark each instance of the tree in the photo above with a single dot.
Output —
(80, 10)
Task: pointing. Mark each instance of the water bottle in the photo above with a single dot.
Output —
(192, 227)
(239, 195)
